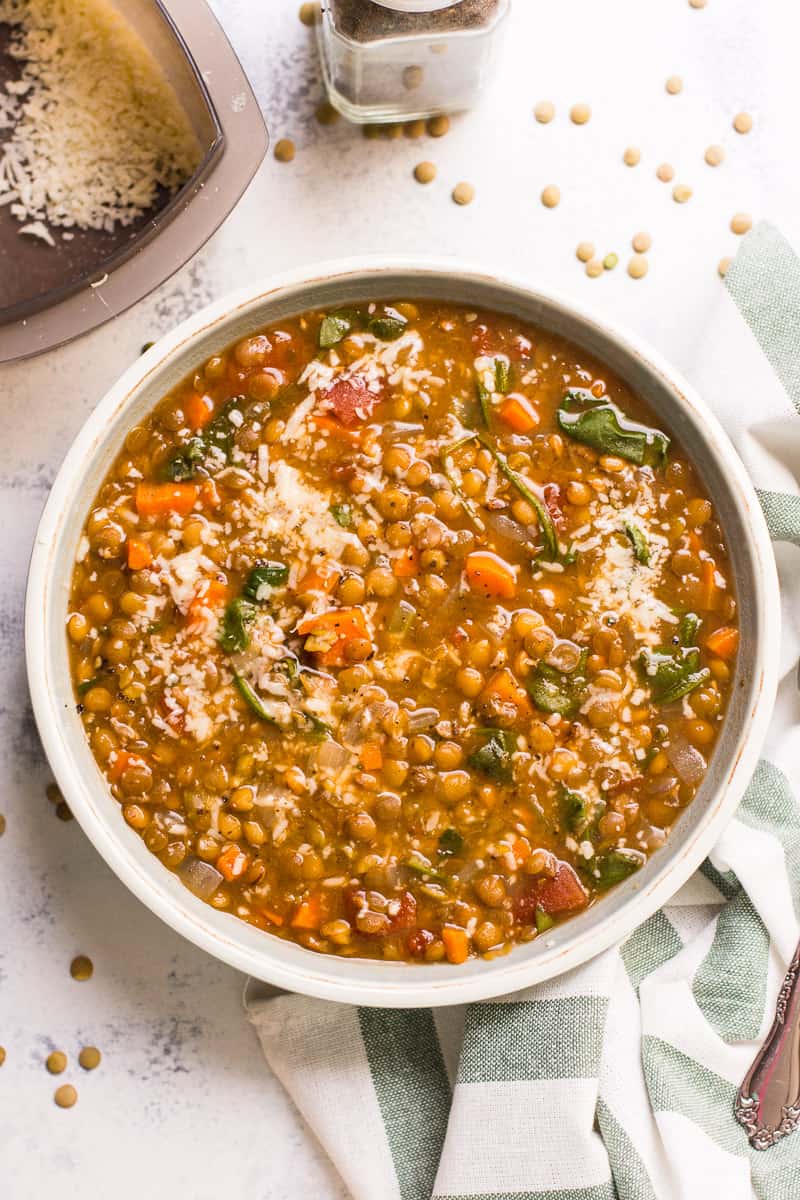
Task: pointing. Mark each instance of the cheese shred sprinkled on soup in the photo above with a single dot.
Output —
(402, 631)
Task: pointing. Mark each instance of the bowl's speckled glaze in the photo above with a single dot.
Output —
(357, 980)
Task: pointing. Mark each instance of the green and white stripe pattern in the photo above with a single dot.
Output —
(616, 1080)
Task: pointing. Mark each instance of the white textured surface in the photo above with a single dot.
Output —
(182, 1104)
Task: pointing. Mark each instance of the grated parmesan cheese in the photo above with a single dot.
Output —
(96, 129)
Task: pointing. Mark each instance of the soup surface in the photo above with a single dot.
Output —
(402, 631)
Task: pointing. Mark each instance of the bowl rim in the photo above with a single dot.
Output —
(376, 983)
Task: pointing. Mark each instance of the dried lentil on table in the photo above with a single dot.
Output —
(56, 1062)
(326, 114)
(741, 223)
(594, 268)
(723, 266)
(579, 114)
(585, 251)
(90, 1058)
(81, 968)
(2, 824)
(674, 85)
(425, 172)
(638, 266)
(309, 13)
(284, 150)
(65, 1096)
(438, 126)
(551, 196)
(544, 112)
(2, 1055)
(714, 155)
(632, 156)
(681, 193)
(463, 193)
(665, 172)
(743, 122)
(610, 261)
(641, 242)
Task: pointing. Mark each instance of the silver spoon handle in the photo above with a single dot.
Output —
(768, 1102)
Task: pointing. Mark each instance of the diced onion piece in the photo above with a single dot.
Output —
(688, 762)
(199, 877)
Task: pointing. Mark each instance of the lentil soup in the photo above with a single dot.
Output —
(402, 631)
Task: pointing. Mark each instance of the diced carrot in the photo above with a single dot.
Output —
(122, 760)
(198, 411)
(331, 631)
(709, 591)
(233, 863)
(273, 917)
(521, 849)
(695, 541)
(405, 565)
(139, 554)
(211, 594)
(490, 574)
(518, 412)
(456, 943)
(371, 757)
(505, 687)
(209, 496)
(322, 578)
(308, 914)
(724, 642)
(158, 499)
(336, 429)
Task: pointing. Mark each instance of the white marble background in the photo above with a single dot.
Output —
(182, 1105)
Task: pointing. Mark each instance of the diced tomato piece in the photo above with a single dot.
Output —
(350, 400)
(418, 942)
(406, 916)
(552, 499)
(563, 893)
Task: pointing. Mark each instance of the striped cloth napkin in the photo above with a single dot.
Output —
(618, 1079)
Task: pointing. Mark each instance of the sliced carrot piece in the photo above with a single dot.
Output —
(273, 917)
(490, 574)
(122, 760)
(456, 943)
(505, 686)
(518, 412)
(308, 914)
(331, 631)
(233, 863)
(322, 578)
(337, 430)
(521, 849)
(159, 499)
(406, 564)
(198, 411)
(371, 757)
(709, 592)
(139, 554)
(724, 642)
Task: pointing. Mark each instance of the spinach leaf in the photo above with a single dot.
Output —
(218, 435)
(551, 551)
(419, 863)
(493, 758)
(252, 698)
(183, 463)
(264, 574)
(641, 550)
(334, 327)
(603, 426)
(543, 920)
(484, 399)
(555, 691)
(575, 809)
(450, 842)
(614, 866)
(342, 515)
(87, 685)
(688, 629)
(387, 329)
(233, 635)
(502, 376)
(672, 676)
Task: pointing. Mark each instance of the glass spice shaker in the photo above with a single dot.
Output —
(398, 60)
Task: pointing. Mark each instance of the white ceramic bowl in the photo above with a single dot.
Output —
(364, 981)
